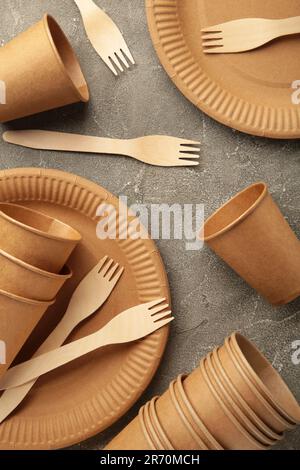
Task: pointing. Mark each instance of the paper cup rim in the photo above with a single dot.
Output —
(265, 428)
(243, 419)
(24, 300)
(226, 410)
(242, 217)
(291, 398)
(85, 95)
(275, 414)
(77, 237)
(37, 270)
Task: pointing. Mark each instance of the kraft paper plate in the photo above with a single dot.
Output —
(85, 397)
(252, 91)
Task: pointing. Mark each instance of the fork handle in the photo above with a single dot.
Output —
(287, 26)
(62, 141)
(34, 368)
(87, 6)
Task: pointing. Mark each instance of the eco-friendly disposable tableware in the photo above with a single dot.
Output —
(236, 396)
(250, 233)
(215, 414)
(36, 238)
(130, 325)
(157, 427)
(246, 34)
(192, 416)
(40, 71)
(134, 437)
(234, 409)
(249, 393)
(105, 36)
(18, 317)
(266, 379)
(30, 282)
(90, 295)
(157, 150)
(109, 381)
(252, 91)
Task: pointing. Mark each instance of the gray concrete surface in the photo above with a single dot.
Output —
(209, 300)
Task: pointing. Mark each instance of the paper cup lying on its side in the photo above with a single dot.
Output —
(35, 238)
(18, 318)
(251, 235)
(40, 72)
(266, 379)
(30, 282)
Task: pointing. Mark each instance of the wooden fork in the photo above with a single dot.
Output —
(246, 34)
(105, 37)
(157, 150)
(89, 296)
(130, 325)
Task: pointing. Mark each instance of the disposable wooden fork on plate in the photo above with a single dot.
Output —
(246, 34)
(105, 37)
(130, 325)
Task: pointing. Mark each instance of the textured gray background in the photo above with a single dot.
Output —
(209, 300)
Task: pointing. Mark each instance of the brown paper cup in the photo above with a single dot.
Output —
(232, 407)
(265, 378)
(35, 238)
(251, 235)
(214, 413)
(18, 317)
(30, 282)
(40, 72)
(239, 401)
(193, 418)
(249, 393)
(133, 437)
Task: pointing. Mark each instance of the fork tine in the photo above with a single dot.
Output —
(109, 64)
(111, 270)
(153, 303)
(189, 156)
(217, 28)
(183, 162)
(117, 276)
(158, 309)
(106, 267)
(188, 142)
(119, 64)
(125, 50)
(161, 315)
(122, 58)
(189, 149)
(101, 263)
(216, 43)
(159, 324)
(213, 50)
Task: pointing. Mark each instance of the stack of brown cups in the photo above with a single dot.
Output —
(234, 400)
(33, 251)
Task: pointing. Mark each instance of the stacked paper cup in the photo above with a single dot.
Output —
(33, 251)
(234, 400)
